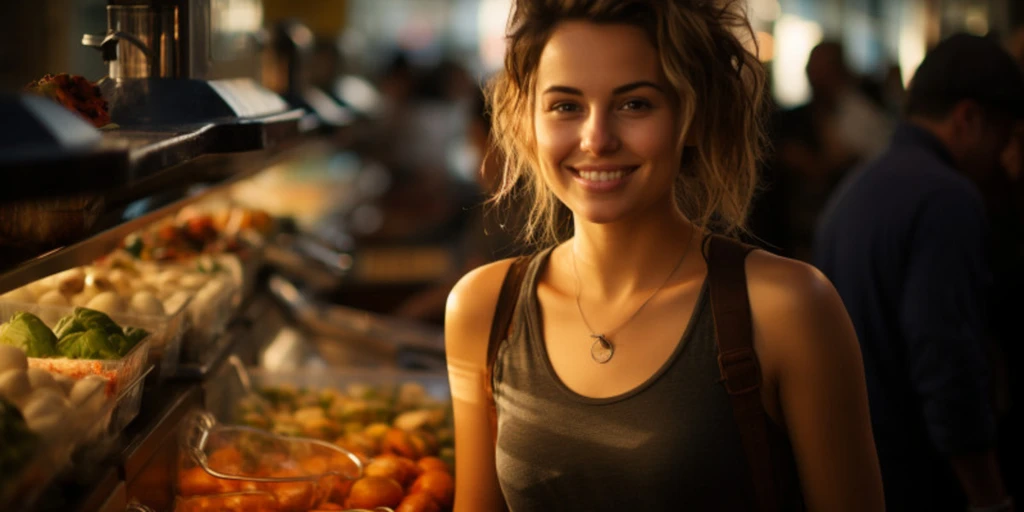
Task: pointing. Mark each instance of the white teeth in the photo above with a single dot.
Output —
(602, 175)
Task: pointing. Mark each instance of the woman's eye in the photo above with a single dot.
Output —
(636, 105)
(564, 107)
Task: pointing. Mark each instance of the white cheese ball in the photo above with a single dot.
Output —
(46, 412)
(122, 282)
(108, 302)
(15, 386)
(174, 302)
(40, 378)
(65, 383)
(146, 303)
(82, 299)
(22, 295)
(69, 282)
(39, 287)
(193, 281)
(12, 358)
(88, 395)
(167, 281)
(53, 298)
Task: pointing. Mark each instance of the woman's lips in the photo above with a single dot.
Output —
(603, 178)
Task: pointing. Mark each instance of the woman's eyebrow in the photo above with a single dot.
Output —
(622, 89)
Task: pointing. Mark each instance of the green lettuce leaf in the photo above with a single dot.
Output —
(83, 319)
(90, 344)
(27, 332)
(132, 335)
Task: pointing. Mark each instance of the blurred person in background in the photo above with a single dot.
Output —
(489, 235)
(1007, 212)
(905, 241)
(818, 143)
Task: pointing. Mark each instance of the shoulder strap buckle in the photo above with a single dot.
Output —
(741, 374)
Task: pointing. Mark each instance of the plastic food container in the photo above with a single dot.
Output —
(237, 466)
(120, 372)
(127, 405)
(373, 413)
(164, 340)
(54, 454)
(209, 312)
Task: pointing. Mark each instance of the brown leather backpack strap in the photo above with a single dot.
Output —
(500, 326)
(737, 361)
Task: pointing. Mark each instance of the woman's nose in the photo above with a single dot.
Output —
(599, 135)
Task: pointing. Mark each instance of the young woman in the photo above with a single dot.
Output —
(636, 124)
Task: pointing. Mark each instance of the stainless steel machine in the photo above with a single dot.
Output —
(194, 39)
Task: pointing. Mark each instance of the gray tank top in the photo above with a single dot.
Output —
(669, 444)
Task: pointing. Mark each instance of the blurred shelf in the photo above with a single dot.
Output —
(133, 207)
(48, 151)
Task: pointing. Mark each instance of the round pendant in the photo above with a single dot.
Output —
(601, 350)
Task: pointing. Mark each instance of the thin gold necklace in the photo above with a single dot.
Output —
(602, 349)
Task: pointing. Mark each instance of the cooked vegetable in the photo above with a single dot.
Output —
(27, 332)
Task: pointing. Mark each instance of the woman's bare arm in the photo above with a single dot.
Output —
(810, 355)
(468, 316)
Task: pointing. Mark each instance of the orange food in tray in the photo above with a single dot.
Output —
(388, 480)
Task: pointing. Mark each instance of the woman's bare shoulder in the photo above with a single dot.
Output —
(470, 309)
(785, 282)
(797, 313)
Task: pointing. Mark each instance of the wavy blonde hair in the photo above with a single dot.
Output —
(720, 86)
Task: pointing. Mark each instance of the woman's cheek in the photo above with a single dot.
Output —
(554, 143)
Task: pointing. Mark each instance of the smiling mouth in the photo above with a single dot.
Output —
(604, 174)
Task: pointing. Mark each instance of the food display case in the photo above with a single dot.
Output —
(169, 242)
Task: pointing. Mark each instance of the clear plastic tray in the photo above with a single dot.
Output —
(120, 372)
(165, 331)
(55, 453)
(236, 466)
(347, 399)
(128, 403)
(209, 316)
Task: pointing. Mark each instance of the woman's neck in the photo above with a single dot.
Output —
(617, 260)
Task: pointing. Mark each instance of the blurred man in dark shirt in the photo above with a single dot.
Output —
(905, 243)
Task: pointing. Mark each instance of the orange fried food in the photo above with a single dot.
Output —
(226, 460)
(433, 463)
(246, 502)
(438, 484)
(328, 506)
(316, 465)
(388, 467)
(424, 442)
(292, 496)
(374, 491)
(238, 502)
(400, 442)
(418, 502)
(337, 488)
(197, 482)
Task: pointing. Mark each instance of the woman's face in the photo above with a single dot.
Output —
(606, 122)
